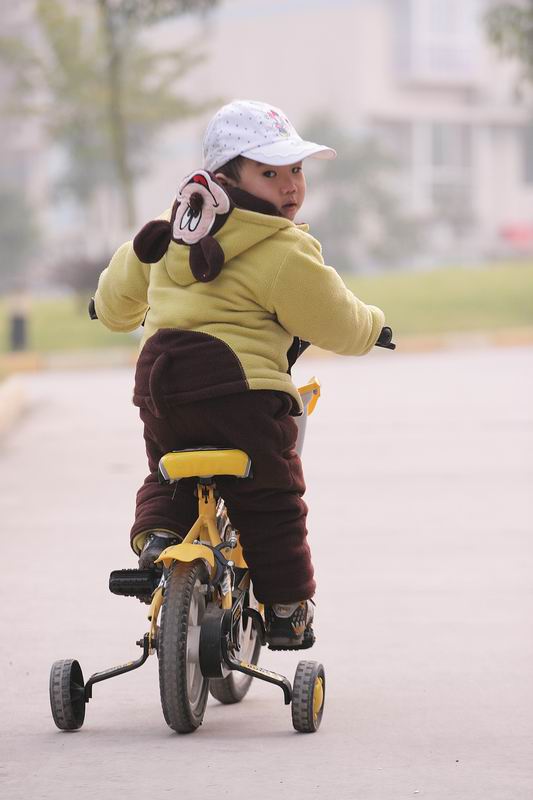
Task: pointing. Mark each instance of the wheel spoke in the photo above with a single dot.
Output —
(193, 644)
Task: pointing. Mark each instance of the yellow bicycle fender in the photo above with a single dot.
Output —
(186, 553)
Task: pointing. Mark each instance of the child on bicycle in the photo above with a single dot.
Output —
(228, 286)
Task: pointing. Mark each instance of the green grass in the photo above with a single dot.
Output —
(63, 324)
(452, 299)
(445, 300)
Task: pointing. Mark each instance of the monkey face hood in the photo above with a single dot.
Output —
(207, 226)
(242, 231)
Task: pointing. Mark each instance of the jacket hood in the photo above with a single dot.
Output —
(208, 225)
(243, 230)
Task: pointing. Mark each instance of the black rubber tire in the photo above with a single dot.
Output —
(67, 694)
(183, 688)
(305, 717)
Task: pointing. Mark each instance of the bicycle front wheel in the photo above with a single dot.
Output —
(183, 688)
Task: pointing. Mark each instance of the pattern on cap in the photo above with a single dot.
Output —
(241, 126)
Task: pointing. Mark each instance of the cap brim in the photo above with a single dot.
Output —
(288, 151)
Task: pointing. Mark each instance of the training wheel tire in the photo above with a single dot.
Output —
(308, 696)
(67, 694)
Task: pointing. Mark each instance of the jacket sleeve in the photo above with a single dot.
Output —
(121, 298)
(312, 301)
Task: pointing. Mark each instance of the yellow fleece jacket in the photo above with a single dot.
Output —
(274, 286)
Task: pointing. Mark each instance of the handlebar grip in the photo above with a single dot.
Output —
(92, 310)
(385, 339)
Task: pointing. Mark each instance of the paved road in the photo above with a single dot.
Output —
(419, 482)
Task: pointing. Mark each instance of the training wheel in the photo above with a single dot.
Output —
(67, 694)
(308, 695)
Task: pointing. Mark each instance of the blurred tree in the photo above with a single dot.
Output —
(102, 93)
(510, 28)
(18, 239)
(80, 272)
(360, 221)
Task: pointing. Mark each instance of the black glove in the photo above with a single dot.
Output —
(385, 339)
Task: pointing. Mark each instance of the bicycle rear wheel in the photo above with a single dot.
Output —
(234, 687)
(183, 688)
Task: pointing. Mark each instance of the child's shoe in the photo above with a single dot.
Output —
(288, 625)
(154, 544)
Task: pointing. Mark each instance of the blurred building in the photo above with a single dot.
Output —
(421, 76)
(449, 107)
(418, 74)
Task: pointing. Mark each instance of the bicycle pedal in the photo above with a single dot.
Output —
(138, 583)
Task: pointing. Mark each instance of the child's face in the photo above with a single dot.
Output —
(284, 187)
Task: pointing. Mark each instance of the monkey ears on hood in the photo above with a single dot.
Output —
(202, 208)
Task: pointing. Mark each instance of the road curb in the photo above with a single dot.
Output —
(12, 363)
(460, 340)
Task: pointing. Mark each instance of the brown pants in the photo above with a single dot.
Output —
(267, 508)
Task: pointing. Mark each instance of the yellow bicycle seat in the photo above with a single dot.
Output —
(204, 463)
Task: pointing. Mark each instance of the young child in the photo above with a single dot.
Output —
(227, 285)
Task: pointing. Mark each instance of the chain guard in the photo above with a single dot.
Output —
(216, 626)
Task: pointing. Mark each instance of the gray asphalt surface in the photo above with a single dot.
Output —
(419, 475)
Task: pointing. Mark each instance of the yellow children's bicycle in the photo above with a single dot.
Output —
(205, 623)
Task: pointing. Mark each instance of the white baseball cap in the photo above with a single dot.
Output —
(259, 131)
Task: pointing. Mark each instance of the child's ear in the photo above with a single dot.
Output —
(225, 181)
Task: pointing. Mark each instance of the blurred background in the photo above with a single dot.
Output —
(428, 213)
(428, 210)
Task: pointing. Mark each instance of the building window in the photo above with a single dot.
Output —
(439, 40)
(450, 146)
(436, 160)
(443, 162)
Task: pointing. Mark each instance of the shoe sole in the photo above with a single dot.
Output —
(304, 643)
